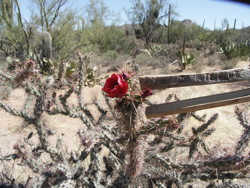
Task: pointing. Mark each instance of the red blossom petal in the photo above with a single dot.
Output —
(125, 76)
(146, 93)
(115, 86)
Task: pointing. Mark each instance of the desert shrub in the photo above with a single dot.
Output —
(177, 32)
(191, 32)
(229, 63)
(232, 50)
(240, 36)
(197, 44)
(110, 55)
(199, 64)
(155, 61)
(243, 49)
(65, 36)
(105, 38)
(195, 32)
(108, 60)
(13, 42)
(218, 37)
(146, 59)
(146, 18)
(237, 36)
(160, 35)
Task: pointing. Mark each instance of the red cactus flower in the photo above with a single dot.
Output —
(115, 86)
(16, 146)
(125, 76)
(31, 63)
(146, 93)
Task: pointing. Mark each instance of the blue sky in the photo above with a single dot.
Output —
(211, 10)
(195, 10)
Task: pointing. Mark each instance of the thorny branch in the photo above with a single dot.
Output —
(245, 137)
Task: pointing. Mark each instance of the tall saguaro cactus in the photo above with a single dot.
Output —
(235, 23)
(169, 22)
(7, 12)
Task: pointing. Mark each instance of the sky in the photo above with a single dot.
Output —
(212, 11)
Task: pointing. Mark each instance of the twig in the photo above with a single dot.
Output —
(14, 112)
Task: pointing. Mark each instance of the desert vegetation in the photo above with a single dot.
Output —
(72, 112)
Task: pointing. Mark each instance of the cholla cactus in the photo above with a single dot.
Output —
(130, 151)
(62, 70)
(27, 71)
(136, 159)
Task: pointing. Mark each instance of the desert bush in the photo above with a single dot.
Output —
(240, 36)
(177, 32)
(146, 16)
(105, 38)
(109, 60)
(65, 36)
(146, 59)
(229, 63)
(160, 36)
(232, 50)
(110, 55)
(13, 42)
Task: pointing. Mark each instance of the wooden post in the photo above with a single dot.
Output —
(168, 81)
(199, 103)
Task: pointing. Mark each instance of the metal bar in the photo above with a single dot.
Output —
(200, 103)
